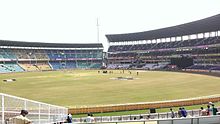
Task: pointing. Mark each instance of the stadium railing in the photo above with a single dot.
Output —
(38, 112)
(188, 120)
(139, 117)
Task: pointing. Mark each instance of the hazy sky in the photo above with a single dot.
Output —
(74, 21)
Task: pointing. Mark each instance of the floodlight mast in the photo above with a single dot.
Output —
(97, 30)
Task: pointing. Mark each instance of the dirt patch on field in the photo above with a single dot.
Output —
(52, 76)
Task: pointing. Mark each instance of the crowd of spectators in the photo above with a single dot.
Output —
(197, 49)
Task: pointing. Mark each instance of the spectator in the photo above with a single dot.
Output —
(172, 113)
(208, 110)
(203, 112)
(141, 117)
(180, 113)
(69, 118)
(183, 112)
(21, 119)
(214, 110)
(89, 118)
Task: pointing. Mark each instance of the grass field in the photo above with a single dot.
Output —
(89, 88)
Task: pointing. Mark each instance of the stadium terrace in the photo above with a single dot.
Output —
(18, 56)
(192, 46)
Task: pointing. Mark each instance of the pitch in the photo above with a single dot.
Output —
(77, 88)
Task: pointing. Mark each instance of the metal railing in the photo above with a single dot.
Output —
(38, 112)
(138, 117)
(189, 120)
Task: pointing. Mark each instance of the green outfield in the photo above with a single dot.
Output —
(90, 88)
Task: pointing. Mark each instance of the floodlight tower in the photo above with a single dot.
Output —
(97, 30)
